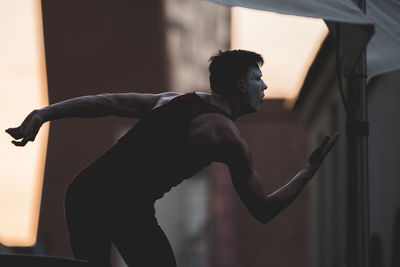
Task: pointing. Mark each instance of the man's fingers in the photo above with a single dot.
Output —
(331, 143)
(20, 143)
(14, 132)
(335, 138)
(323, 149)
(26, 139)
(325, 141)
(318, 152)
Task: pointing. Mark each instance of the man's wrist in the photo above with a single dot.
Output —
(42, 114)
(309, 170)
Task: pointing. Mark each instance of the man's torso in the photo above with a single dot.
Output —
(164, 148)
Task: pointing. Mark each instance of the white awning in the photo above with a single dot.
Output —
(383, 50)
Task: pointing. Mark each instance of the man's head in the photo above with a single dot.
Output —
(227, 67)
(236, 74)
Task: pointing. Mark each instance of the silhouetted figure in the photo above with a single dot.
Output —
(112, 199)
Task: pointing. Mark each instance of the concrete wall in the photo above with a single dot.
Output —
(195, 30)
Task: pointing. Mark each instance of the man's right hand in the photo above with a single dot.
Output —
(28, 130)
(318, 155)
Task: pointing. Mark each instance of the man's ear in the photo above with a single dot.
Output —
(241, 85)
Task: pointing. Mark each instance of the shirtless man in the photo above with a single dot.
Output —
(112, 199)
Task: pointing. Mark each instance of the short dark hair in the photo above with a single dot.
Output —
(229, 66)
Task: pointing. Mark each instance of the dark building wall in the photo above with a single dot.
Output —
(333, 190)
(322, 113)
(93, 47)
(279, 147)
(384, 169)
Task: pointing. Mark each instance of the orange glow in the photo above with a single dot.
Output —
(23, 87)
(288, 45)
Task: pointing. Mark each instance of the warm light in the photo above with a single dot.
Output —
(288, 45)
(23, 87)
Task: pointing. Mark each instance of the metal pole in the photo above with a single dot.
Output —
(358, 159)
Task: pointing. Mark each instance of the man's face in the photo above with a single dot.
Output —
(253, 90)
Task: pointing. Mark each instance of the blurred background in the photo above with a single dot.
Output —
(52, 50)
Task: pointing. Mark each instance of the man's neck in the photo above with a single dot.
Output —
(221, 102)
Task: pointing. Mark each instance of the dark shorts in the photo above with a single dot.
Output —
(97, 216)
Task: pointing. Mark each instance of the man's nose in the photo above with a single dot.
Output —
(264, 86)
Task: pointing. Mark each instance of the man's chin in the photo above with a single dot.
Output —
(257, 108)
(254, 109)
(249, 110)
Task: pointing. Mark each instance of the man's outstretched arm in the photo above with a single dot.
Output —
(249, 187)
(120, 104)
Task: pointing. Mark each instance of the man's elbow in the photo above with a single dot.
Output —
(272, 207)
(268, 211)
(264, 216)
(262, 220)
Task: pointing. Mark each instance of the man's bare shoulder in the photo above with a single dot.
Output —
(165, 98)
(217, 137)
(213, 129)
